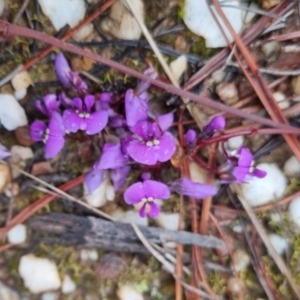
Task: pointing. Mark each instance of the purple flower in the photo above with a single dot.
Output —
(83, 118)
(193, 189)
(217, 123)
(165, 121)
(190, 138)
(93, 179)
(103, 102)
(52, 136)
(4, 152)
(112, 157)
(49, 104)
(118, 176)
(66, 76)
(146, 194)
(136, 107)
(144, 85)
(239, 166)
(151, 145)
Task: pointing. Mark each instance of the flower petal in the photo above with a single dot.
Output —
(51, 103)
(78, 103)
(193, 189)
(166, 147)
(135, 193)
(62, 69)
(56, 125)
(93, 179)
(165, 121)
(89, 101)
(112, 157)
(154, 209)
(53, 145)
(190, 137)
(156, 189)
(118, 176)
(215, 124)
(96, 122)
(142, 153)
(4, 152)
(37, 130)
(259, 173)
(71, 120)
(136, 107)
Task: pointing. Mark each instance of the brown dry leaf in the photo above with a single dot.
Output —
(88, 63)
(5, 177)
(286, 61)
(176, 159)
(40, 168)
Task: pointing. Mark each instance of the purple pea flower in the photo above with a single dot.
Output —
(136, 107)
(217, 123)
(144, 85)
(151, 145)
(49, 104)
(52, 135)
(147, 194)
(190, 138)
(240, 166)
(4, 153)
(112, 159)
(66, 76)
(193, 189)
(81, 116)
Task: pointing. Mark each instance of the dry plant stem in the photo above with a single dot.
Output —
(284, 37)
(12, 74)
(25, 32)
(256, 29)
(6, 247)
(37, 205)
(272, 252)
(258, 83)
(69, 34)
(20, 12)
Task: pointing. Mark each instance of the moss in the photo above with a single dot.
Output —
(217, 282)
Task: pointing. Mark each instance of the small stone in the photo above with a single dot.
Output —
(169, 221)
(267, 4)
(68, 285)
(197, 174)
(294, 212)
(270, 48)
(83, 33)
(178, 66)
(127, 292)
(12, 114)
(19, 153)
(23, 137)
(39, 274)
(109, 266)
(291, 167)
(279, 243)
(121, 23)
(129, 216)
(235, 142)
(5, 177)
(234, 285)
(227, 92)
(89, 254)
(63, 12)
(76, 64)
(12, 189)
(49, 296)
(218, 76)
(21, 81)
(280, 98)
(241, 260)
(17, 235)
(181, 44)
(6, 293)
(296, 85)
(101, 195)
(40, 168)
(260, 191)
(20, 94)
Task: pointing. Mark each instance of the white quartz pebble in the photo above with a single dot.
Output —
(127, 292)
(280, 98)
(178, 66)
(17, 234)
(84, 32)
(294, 211)
(241, 260)
(12, 114)
(68, 285)
(279, 243)
(291, 167)
(89, 254)
(235, 142)
(169, 221)
(121, 23)
(21, 81)
(260, 191)
(20, 94)
(39, 274)
(49, 296)
(63, 12)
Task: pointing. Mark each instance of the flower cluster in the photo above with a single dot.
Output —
(140, 137)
